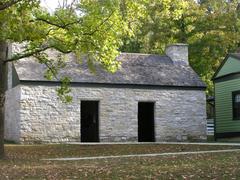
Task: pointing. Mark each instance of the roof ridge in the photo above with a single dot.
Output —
(143, 54)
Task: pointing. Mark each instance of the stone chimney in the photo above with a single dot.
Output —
(178, 53)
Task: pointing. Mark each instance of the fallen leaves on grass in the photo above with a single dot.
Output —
(23, 162)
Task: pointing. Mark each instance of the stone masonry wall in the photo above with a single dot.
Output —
(179, 114)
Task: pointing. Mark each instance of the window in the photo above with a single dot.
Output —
(236, 105)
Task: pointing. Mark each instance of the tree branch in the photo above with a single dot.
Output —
(32, 53)
(97, 28)
(28, 54)
(49, 22)
(63, 26)
(50, 67)
(8, 4)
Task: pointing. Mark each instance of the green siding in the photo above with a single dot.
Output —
(223, 104)
(231, 65)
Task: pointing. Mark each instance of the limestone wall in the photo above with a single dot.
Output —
(179, 114)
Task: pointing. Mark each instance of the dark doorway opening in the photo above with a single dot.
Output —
(146, 122)
(89, 121)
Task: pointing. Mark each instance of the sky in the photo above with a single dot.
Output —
(52, 4)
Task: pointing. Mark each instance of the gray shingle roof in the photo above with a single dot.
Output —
(137, 69)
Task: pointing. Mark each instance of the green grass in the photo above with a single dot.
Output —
(23, 162)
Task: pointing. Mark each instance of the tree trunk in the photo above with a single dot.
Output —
(3, 85)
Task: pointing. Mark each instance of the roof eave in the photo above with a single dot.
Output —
(200, 87)
(222, 64)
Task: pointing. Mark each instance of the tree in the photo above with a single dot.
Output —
(94, 28)
(3, 55)
(9, 22)
(210, 27)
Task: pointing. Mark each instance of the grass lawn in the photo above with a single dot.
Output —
(23, 162)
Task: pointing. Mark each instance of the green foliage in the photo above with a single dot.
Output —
(98, 28)
(211, 29)
(87, 27)
(16, 22)
(64, 90)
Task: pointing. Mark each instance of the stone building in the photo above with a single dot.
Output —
(150, 98)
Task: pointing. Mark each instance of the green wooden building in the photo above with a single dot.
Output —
(227, 97)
